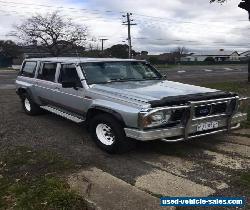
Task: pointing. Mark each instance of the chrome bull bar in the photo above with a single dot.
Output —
(187, 126)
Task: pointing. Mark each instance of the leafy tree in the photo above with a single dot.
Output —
(118, 51)
(153, 60)
(52, 32)
(9, 49)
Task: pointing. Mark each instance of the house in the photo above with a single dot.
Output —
(218, 55)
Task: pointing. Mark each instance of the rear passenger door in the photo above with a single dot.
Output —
(45, 82)
(70, 99)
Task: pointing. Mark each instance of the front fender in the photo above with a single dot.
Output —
(128, 114)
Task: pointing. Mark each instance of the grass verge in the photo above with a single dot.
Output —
(242, 182)
(33, 180)
(245, 179)
(5, 68)
(242, 88)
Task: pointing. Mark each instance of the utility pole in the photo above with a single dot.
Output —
(103, 40)
(129, 24)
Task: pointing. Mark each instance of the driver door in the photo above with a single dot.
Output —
(70, 99)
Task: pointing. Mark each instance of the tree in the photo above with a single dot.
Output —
(118, 51)
(51, 32)
(179, 52)
(9, 49)
(153, 60)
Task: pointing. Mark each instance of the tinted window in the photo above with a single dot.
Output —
(68, 73)
(47, 72)
(28, 69)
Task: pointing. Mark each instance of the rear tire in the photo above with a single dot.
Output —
(29, 106)
(108, 133)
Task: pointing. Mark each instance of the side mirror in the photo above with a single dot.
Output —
(68, 84)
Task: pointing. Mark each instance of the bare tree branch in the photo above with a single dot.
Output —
(51, 32)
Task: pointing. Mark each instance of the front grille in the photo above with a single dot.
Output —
(215, 108)
(211, 109)
(202, 111)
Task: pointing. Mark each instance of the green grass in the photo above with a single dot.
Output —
(242, 181)
(33, 180)
(5, 68)
(242, 88)
(245, 179)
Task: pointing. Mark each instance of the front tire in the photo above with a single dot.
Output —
(108, 133)
(29, 106)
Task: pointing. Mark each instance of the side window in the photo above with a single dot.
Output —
(29, 69)
(68, 73)
(47, 72)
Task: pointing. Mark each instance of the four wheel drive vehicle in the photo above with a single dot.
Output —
(125, 99)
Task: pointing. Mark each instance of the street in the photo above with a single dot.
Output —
(202, 167)
(206, 74)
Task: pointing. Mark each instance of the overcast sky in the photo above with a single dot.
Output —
(161, 24)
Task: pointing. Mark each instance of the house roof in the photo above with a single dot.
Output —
(247, 53)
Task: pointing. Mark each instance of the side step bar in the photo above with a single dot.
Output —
(63, 114)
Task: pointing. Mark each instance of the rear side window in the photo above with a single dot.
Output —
(47, 72)
(29, 69)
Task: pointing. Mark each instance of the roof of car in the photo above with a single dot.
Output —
(77, 59)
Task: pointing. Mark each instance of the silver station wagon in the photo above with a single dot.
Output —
(122, 100)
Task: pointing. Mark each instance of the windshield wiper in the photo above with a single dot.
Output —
(125, 80)
(152, 78)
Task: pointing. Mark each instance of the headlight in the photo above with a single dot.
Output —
(157, 116)
(155, 119)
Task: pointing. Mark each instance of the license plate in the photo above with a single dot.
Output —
(207, 126)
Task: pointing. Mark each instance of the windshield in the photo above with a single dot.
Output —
(106, 72)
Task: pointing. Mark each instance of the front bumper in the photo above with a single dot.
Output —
(181, 133)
